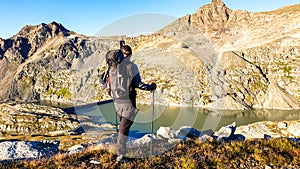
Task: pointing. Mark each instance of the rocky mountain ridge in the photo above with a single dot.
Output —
(216, 58)
(256, 55)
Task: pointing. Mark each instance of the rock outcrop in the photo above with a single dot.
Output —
(25, 150)
(31, 119)
(287, 129)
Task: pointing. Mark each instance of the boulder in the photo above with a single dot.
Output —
(144, 140)
(267, 137)
(20, 150)
(76, 149)
(166, 132)
(187, 131)
(289, 129)
(204, 138)
(282, 125)
(293, 129)
(226, 132)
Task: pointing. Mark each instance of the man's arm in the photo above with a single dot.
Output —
(137, 82)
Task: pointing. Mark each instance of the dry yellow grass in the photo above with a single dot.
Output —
(191, 154)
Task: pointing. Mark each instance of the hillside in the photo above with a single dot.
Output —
(215, 58)
(256, 59)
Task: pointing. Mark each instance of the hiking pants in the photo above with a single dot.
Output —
(127, 113)
(125, 125)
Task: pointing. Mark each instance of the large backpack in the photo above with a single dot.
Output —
(114, 57)
(120, 74)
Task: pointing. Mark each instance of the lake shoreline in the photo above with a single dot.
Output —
(108, 127)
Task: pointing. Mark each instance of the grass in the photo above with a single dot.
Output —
(191, 154)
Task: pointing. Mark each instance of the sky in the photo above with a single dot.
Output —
(88, 17)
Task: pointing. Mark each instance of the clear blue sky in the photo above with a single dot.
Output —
(87, 16)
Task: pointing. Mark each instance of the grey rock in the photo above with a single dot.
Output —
(146, 139)
(166, 132)
(75, 149)
(271, 129)
(293, 129)
(204, 138)
(188, 131)
(226, 132)
(295, 140)
(20, 150)
(267, 137)
(268, 167)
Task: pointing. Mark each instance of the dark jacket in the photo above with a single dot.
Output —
(137, 83)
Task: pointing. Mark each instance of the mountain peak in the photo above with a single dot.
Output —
(49, 30)
(58, 27)
(211, 17)
(217, 2)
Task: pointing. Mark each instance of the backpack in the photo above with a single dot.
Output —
(113, 58)
(120, 73)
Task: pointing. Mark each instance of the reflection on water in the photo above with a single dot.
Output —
(176, 117)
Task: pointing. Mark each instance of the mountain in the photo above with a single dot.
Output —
(215, 58)
(256, 59)
(37, 62)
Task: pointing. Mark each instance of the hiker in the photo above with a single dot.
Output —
(124, 78)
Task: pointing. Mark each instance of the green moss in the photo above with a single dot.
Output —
(99, 96)
(50, 92)
(64, 92)
(287, 69)
(258, 85)
(102, 69)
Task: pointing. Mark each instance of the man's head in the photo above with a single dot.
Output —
(126, 50)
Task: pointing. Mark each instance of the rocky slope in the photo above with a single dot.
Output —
(256, 59)
(31, 119)
(42, 63)
(215, 58)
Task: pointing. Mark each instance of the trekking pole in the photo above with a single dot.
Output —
(116, 122)
(117, 130)
(152, 126)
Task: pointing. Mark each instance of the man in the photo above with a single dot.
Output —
(124, 95)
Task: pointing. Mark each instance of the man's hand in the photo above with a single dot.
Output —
(153, 86)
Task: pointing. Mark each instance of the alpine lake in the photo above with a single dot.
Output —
(178, 116)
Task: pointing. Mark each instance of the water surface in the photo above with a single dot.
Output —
(176, 117)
